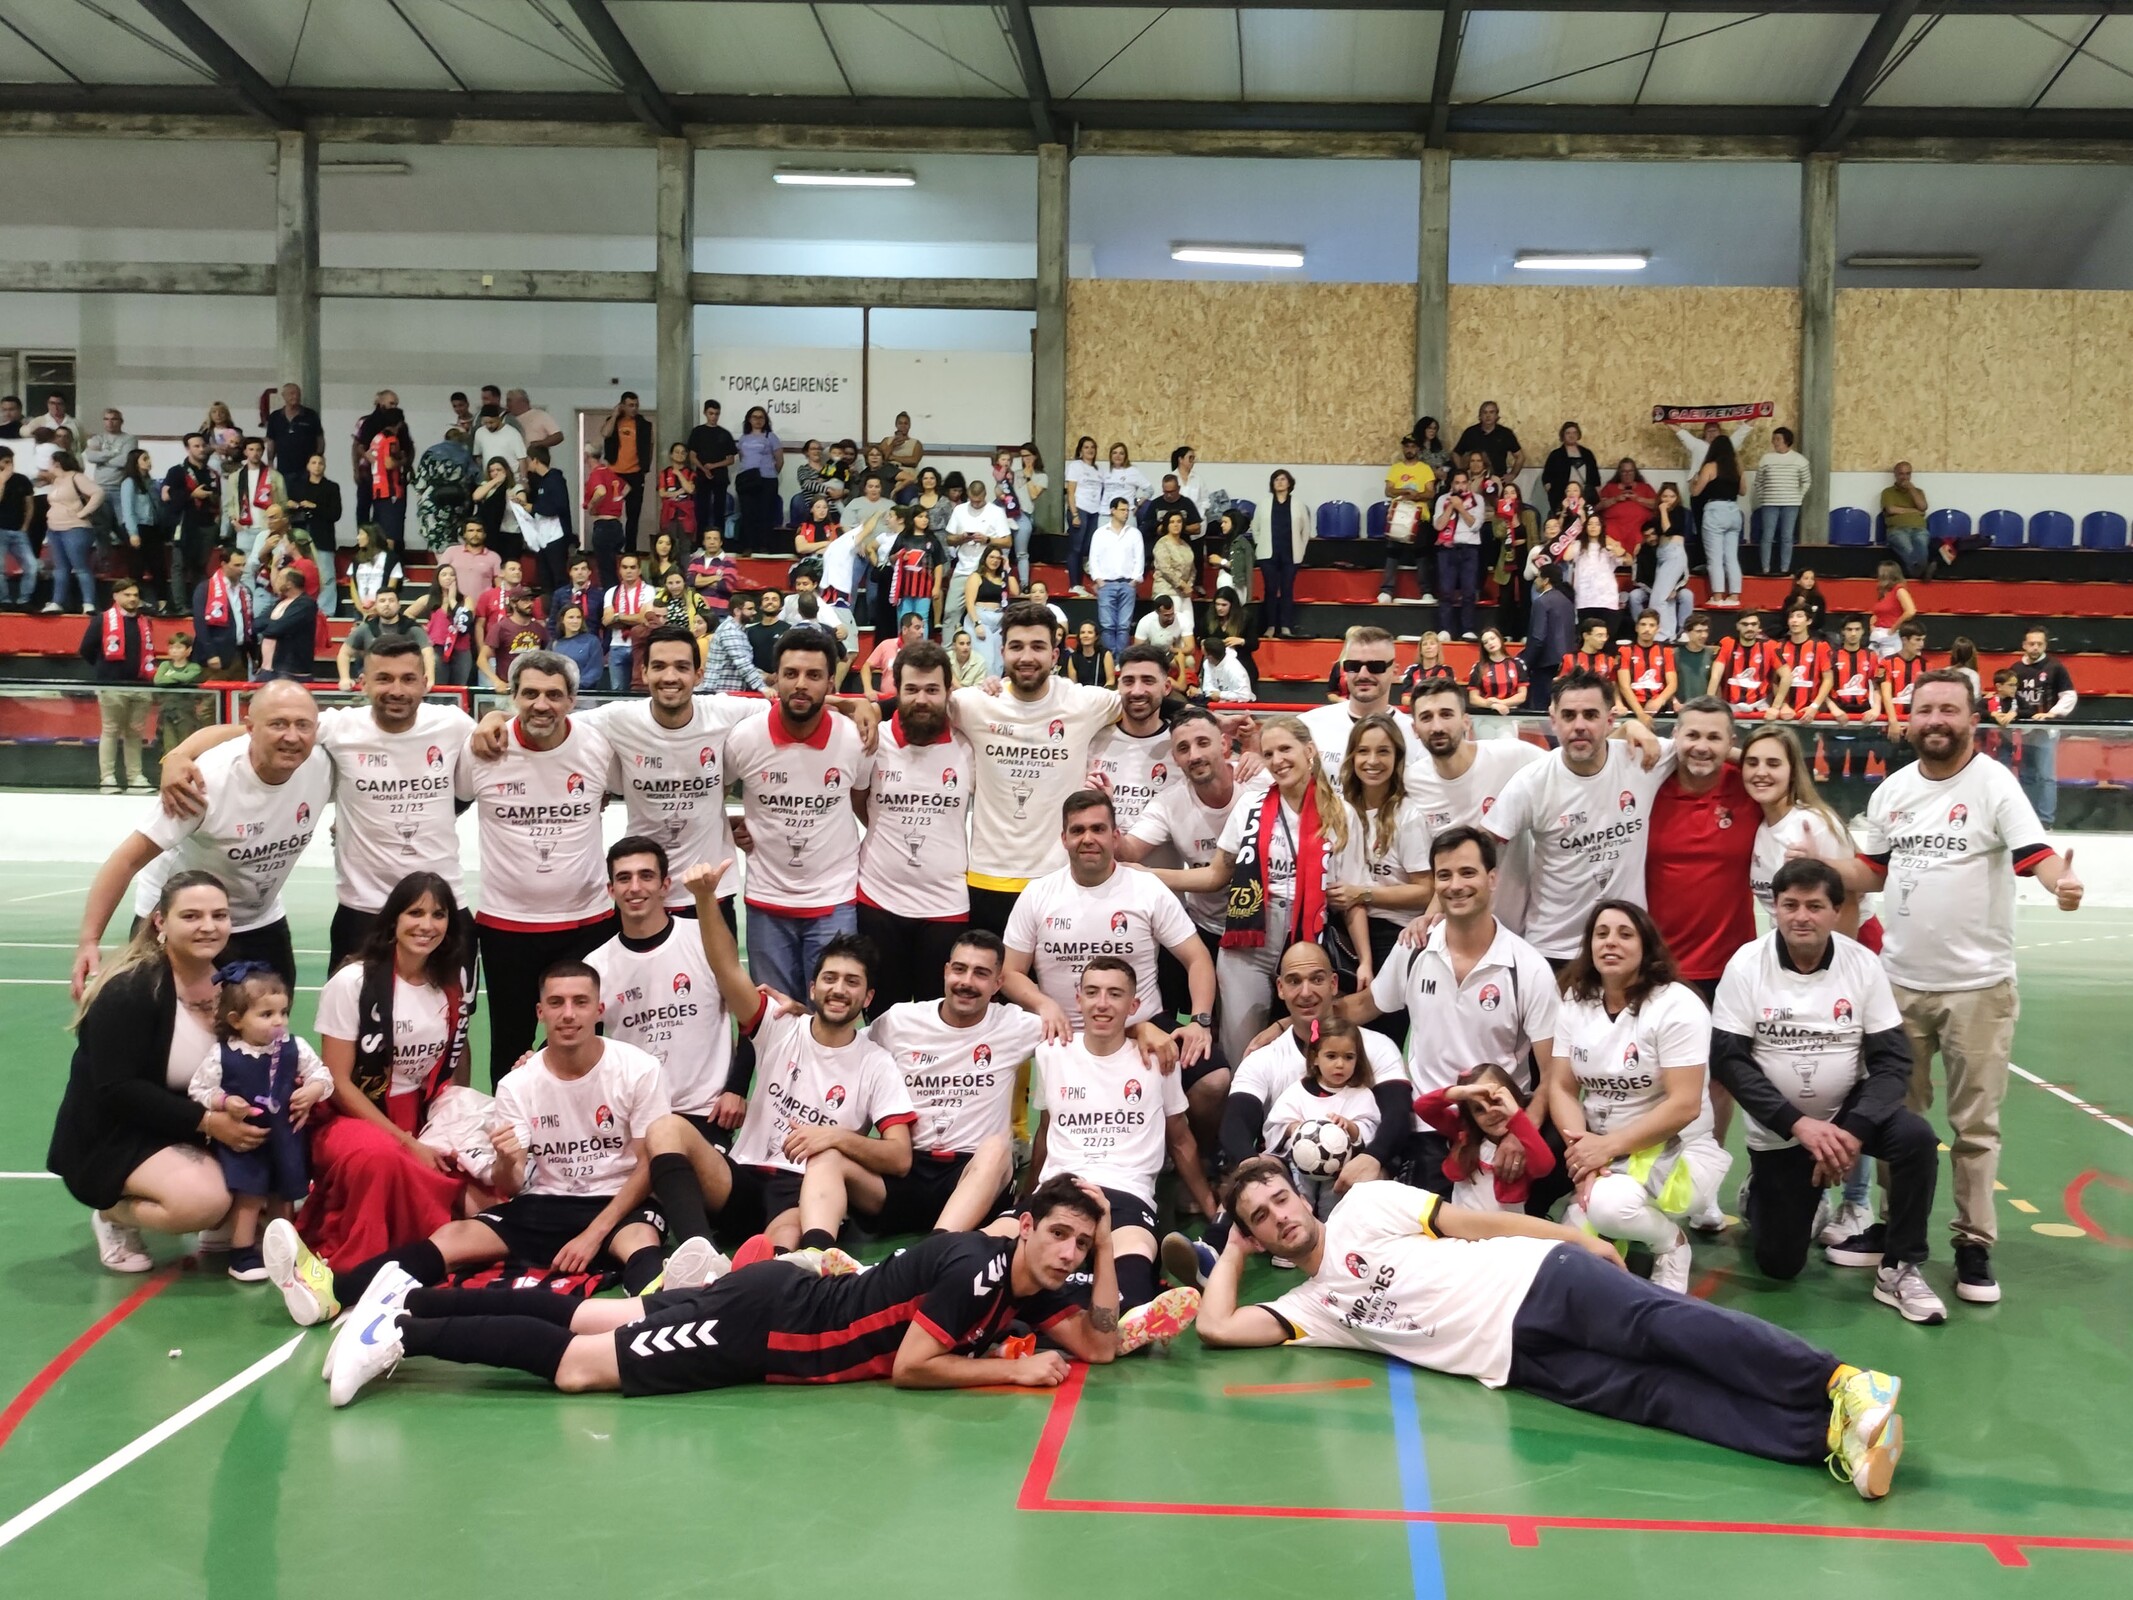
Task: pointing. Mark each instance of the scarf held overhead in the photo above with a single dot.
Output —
(1745, 411)
(1246, 915)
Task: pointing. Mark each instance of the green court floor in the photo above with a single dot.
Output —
(1273, 1473)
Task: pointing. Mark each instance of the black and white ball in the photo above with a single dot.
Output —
(1320, 1148)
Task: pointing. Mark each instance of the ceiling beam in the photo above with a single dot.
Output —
(1881, 41)
(642, 91)
(1024, 33)
(1450, 36)
(1837, 8)
(240, 80)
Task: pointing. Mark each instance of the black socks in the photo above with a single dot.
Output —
(538, 1304)
(424, 1262)
(1137, 1282)
(817, 1239)
(680, 1197)
(528, 1343)
(642, 1267)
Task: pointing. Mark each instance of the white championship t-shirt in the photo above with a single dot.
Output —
(421, 1025)
(1031, 754)
(796, 797)
(394, 810)
(1273, 1069)
(1108, 1115)
(543, 864)
(1189, 833)
(799, 1079)
(1588, 837)
(1507, 1005)
(1330, 726)
(1466, 802)
(1388, 1282)
(578, 1131)
(1800, 826)
(661, 997)
(961, 1080)
(1062, 926)
(1406, 852)
(673, 780)
(916, 849)
(1618, 1061)
(1137, 767)
(1809, 1028)
(249, 836)
(1951, 848)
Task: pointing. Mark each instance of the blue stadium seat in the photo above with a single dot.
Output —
(2103, 530)
(1337, 519)
(1850, 525)
(2002, 529)
(1374, 523)
(1949, 524)
(796, 512)
(1249, 508)
(2051, 530)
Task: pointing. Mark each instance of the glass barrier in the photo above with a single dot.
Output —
(82, 737)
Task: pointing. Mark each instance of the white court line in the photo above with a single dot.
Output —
(2073, 1100)
(67, 1493)
(49, 894)
(52, 1175)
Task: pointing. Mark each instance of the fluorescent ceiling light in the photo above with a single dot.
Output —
(1582, 261)
(1888, 263)
(830, 178)
(1288, 256)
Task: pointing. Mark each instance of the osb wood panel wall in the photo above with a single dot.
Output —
(1302, 372)
(1983, 380)
(1603, 357)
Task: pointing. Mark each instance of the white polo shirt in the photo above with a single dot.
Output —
(250, 835)
(1809, 1028)
(796, 797)
(1507, 1005)
(1062, 926)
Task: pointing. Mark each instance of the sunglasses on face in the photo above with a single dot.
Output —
(1375, 668)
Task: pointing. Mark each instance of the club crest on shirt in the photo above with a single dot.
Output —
(1133, 1091)
(574, 784)
(981, 1055)
(1487, 801)
(1356, 1265)
(1958, 814)
(1724, 814)
(835, 1097)
(1119, 921)
(303, 813)
(832, 778)
(948, 778)
(1625, 801)
(1630, 1054)
(1159, 773)
(1842, 1010)
(1056, 728)
(433, 757)
(603, 1118)
(1490, 997)
(681, 983)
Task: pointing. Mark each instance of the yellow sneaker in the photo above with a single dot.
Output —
(1159, 1321)
(1866, 1432)
(305, 1282)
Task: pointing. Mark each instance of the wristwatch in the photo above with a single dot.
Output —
(1204, 1019)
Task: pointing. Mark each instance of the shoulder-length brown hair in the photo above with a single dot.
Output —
(1581, 979)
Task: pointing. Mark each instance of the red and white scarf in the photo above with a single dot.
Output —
(259, 499)
(218, 612)
(1246, 916)
(115, 622)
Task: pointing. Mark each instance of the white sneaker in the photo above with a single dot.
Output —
(694, 1263)
(1422, 600)
(305, 1282)
(1384, 597)
(380, 1304)
(1844, 1222)
(373, 1350)
(1906, 1289)
(213, 1241)
(1711, 1219)
(119, 1247)
(1670, 1268)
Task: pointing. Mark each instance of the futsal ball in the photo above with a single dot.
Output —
(1320, 1147)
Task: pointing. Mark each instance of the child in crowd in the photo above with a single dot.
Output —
(1336, 1087)
(259, 1071)
(179, 716)
(1477, 1114)
(2000, 741)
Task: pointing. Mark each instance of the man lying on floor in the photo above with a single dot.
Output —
(923, 1318)
(1509, 1298)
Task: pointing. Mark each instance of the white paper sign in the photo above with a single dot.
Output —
(808, 393)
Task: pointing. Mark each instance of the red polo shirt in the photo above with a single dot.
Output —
(1696, 872)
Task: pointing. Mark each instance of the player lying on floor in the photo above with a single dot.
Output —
(922, 1319)
(1509, 1298)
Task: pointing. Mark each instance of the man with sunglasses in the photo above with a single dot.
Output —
(1368, 672)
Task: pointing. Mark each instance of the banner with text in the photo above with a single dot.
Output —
(808, 393)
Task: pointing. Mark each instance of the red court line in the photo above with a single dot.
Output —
(55, 1369)
(1523, 1529)
(1297, 1388)
(2088, 1225)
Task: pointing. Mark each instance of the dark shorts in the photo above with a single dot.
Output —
(915, 1200)
(708, 1338)
(535, 1226)
(1191, 1075)
(711, 1133)
(759, 1197)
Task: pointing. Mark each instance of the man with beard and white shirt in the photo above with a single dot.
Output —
(543, 868)
(1458, 786)
(392, 762)
(820, 1085)
(1032, 741)
(1585, 809)
(1130, 760)
(799, 769)
(1369, 668)
(1944, 839)
(264, 797)
(913, 903)
(1093, 907)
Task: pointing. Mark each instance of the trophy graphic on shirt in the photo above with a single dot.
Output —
(796, 841)
(914, 846)
(1022, 789)
(1904, 886)
(544, 854)
(407, 832)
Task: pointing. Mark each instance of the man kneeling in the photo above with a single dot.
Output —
(914, 1319)
(1509, 1298)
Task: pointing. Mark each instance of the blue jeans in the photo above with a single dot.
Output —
(782, 950)
(1909, 546)
(1114, 615)
(1721, 545)
(2038, 768)
(1080, 529)
(14, 542)
(618, 667)
(71, 549)
(1783, 522)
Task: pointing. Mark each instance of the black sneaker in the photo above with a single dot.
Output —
(1862, 1249)
(1973, 1275)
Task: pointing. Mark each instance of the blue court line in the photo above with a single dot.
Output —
(1422, 1552)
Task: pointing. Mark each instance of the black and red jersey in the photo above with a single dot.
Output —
(1600, 663)
(1648, 666)
(1806, 662)
(1412, 678)
(1858, 681)
(1902, 677)
(1748, 671)
(1497, 680)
